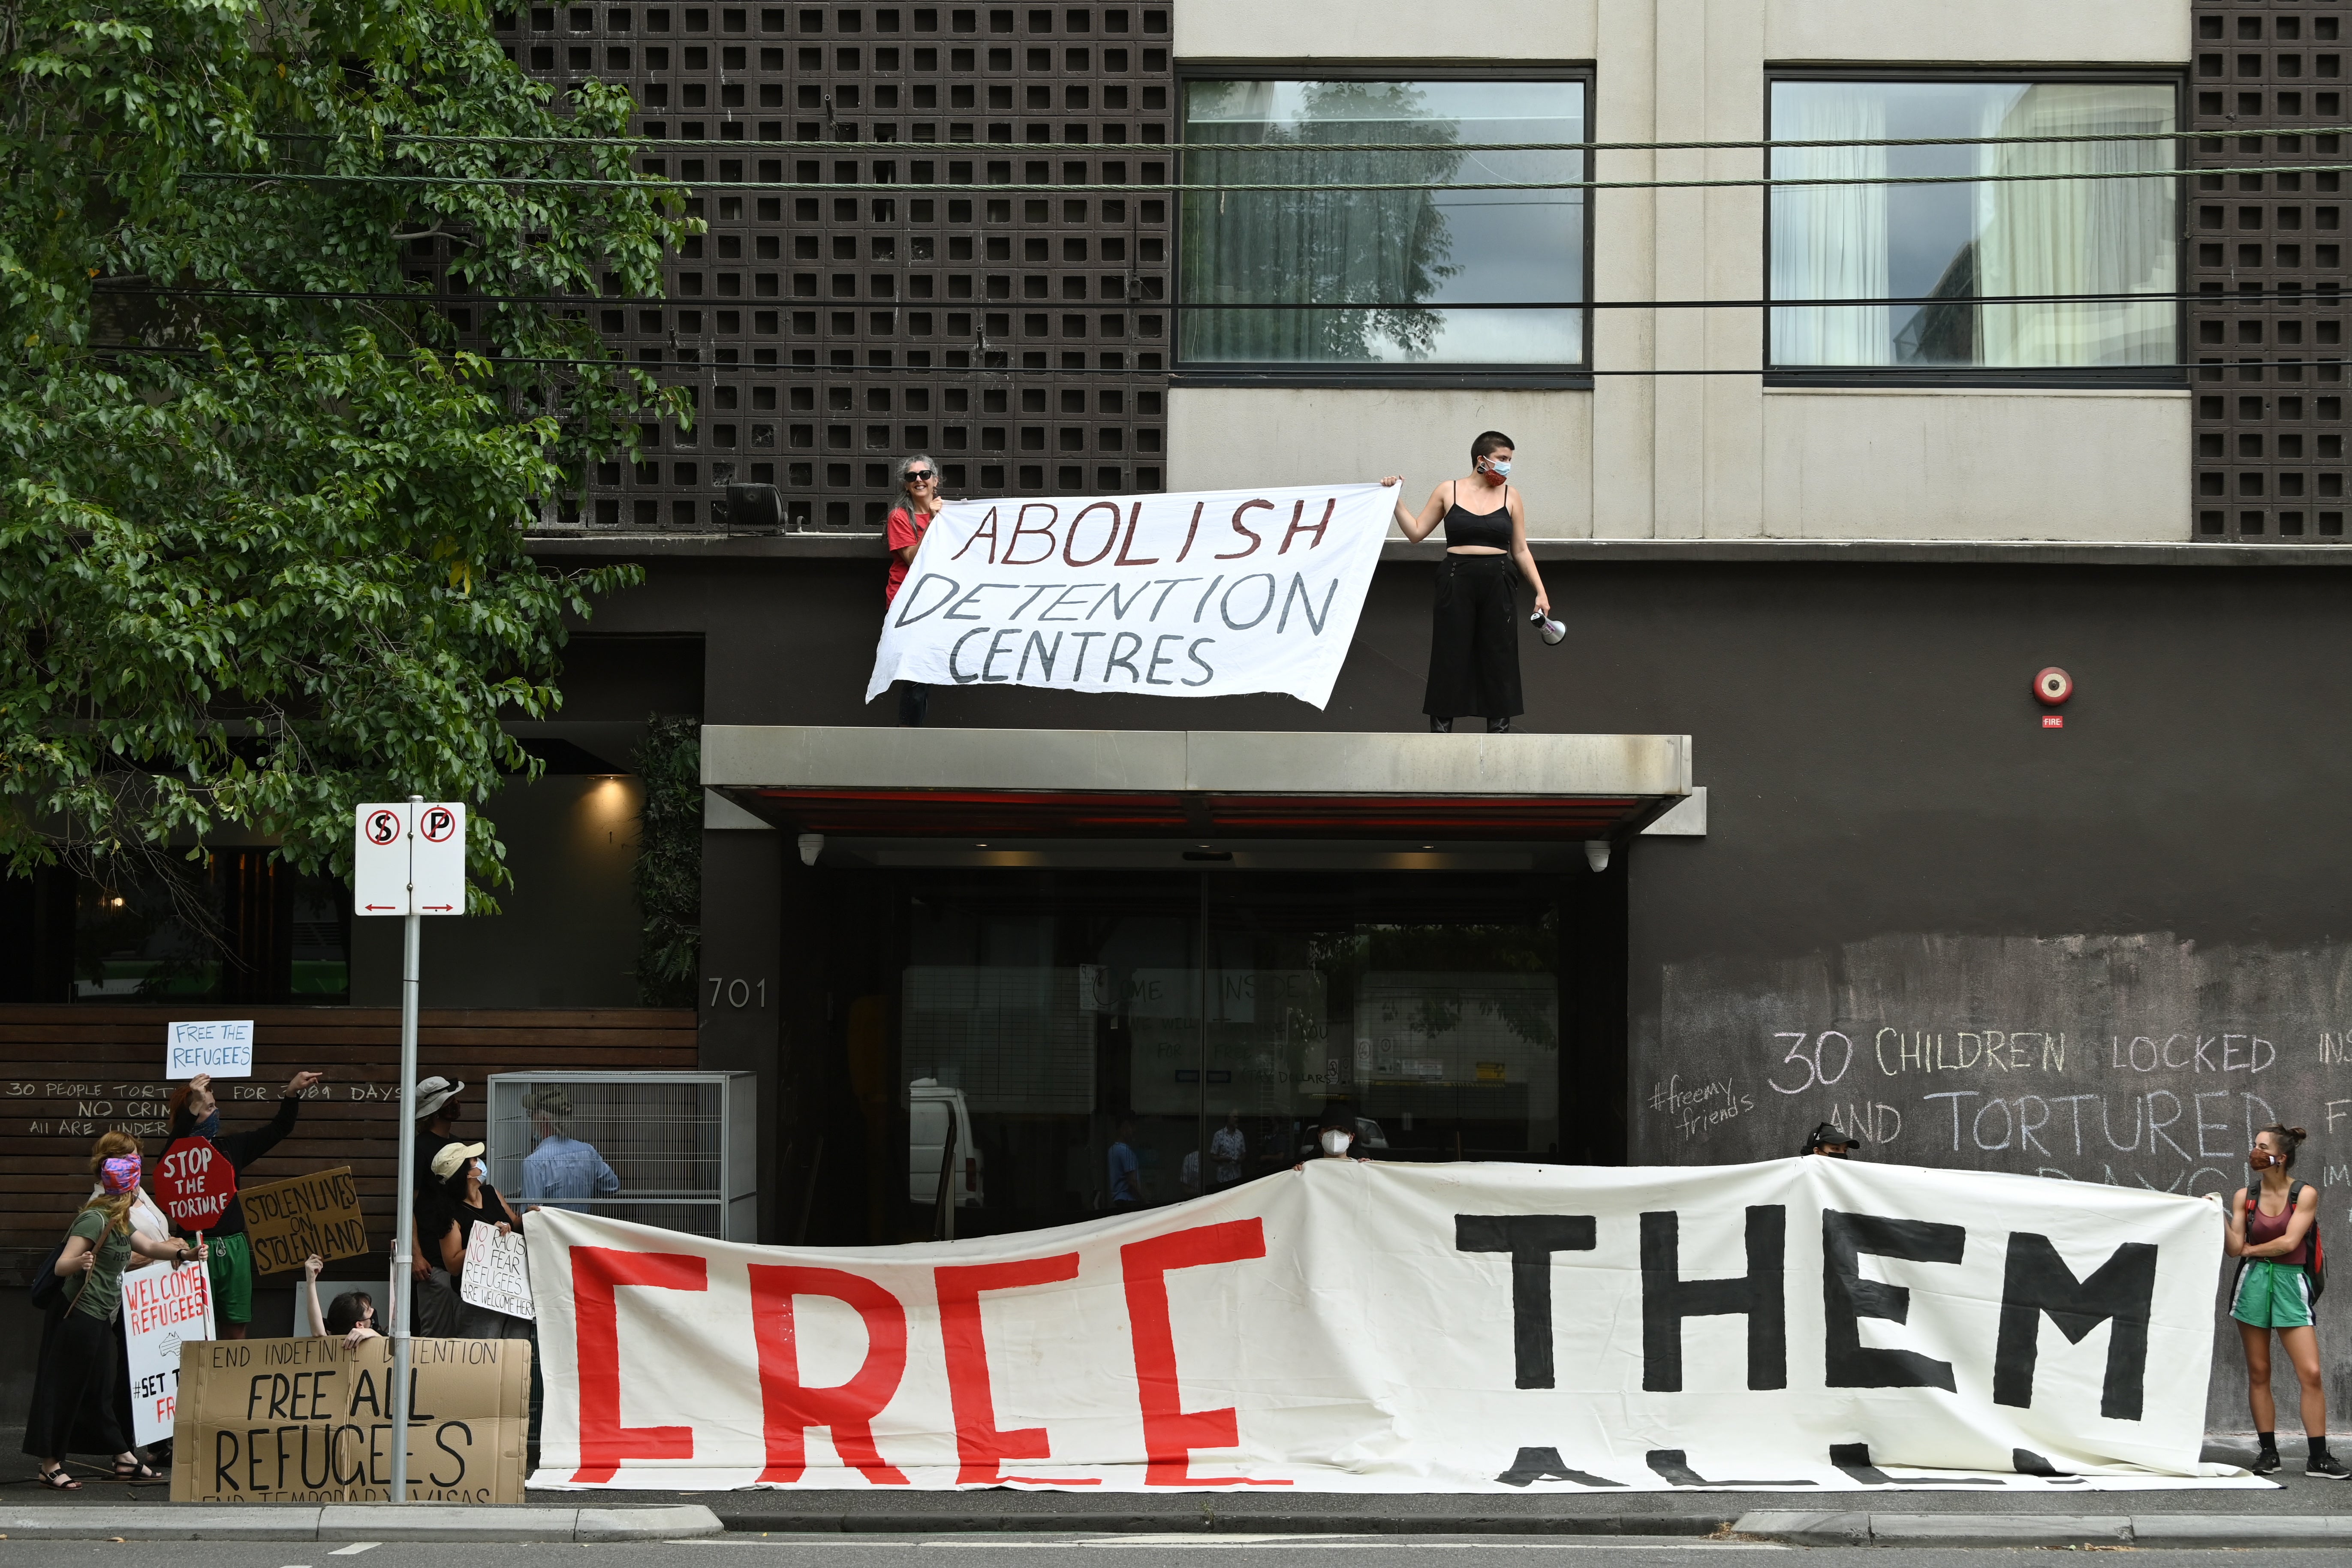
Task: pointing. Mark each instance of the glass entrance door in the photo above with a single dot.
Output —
(1071, 1045)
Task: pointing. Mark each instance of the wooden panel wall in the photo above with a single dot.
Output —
(69, 1073)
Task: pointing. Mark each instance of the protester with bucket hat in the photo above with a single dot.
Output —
(561, 1170)
(73, 1388)
(195, 1112)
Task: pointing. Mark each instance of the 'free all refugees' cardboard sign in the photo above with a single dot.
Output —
(309, 1420)
(287, 1221)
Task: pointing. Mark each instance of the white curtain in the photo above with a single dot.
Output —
(2076, 237)
(1829, 242)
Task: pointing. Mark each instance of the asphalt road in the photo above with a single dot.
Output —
(1064, 1551)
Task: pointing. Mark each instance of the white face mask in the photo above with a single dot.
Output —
(1336, 1142)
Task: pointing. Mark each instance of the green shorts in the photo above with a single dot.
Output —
(230, 1265)
(2273, 1295)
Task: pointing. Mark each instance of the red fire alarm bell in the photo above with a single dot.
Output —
(2053, 686)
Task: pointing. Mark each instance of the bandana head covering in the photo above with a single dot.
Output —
(119, 1174)
(210, 1126)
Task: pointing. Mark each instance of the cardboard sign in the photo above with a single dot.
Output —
(497, 1272)
(287, 1221)
(194, 1182)
(223, 1048)
(161, 1306)
(308, 1420)
(1809, 1325)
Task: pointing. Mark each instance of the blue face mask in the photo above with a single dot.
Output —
(210, 1126)
(1501, 470)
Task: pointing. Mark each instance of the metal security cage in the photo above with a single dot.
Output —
(672, 1149)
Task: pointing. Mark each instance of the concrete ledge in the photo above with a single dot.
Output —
(2242, 1529)
(153, 1522)
(352, 1521)
(1998, 1529)
(1808, 1529)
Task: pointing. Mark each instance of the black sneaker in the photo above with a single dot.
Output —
(2265, 1463)
(2327, 1468)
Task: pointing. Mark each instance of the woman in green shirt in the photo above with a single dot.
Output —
(80, 1342)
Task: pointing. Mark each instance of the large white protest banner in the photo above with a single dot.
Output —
(1199, 595)
(1806, 1324)
(161, 1306)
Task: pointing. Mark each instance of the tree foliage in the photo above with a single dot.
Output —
(262, 496)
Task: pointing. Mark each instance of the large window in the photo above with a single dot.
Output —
(1964, 244)
(1429, 276)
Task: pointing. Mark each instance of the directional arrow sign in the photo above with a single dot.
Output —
(409, 857)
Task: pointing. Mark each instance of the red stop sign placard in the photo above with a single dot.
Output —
(194, 1182)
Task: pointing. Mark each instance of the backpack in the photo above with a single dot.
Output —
(2316, 1267)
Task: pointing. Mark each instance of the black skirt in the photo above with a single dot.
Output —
(1473, 639)
(74, 1389)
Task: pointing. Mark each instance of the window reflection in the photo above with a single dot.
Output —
(1957, 243)
(1405, 255)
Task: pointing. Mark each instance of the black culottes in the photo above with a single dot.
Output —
(73, 1388)
(1473, 639)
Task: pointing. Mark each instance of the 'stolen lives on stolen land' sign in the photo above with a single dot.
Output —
(287, 1221)
(309, 1420)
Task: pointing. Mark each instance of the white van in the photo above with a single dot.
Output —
(929, 1106)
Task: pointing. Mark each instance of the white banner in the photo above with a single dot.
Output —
(1199, 595)
(1802, 1324)
(161, 1307)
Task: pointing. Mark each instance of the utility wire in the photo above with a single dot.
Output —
(1179, 147)
(897, 188)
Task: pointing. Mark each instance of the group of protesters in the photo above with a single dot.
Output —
(81, 1394)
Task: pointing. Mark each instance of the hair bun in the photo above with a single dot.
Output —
(2298, 1134)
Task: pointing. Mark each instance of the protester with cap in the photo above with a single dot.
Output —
(561, 1171)
(1831, 1140)
(458, 1197)
(195, 1112)
(73, 1389)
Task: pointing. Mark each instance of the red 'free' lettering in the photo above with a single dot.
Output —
(981, 1446)
(1169, 1431)
(790, 1407)
(596, 1273)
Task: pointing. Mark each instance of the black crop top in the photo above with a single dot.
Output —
(1492, 529)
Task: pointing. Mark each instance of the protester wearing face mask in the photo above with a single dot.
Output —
(147, 1219)
(1831, 1140)
(2271, 1228)
(1473, 632)
(1335, 1137)
(461, 1196)
(195, 1110)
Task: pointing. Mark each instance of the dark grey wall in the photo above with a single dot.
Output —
(1895, 842)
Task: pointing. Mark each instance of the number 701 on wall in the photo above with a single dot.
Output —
(1808, 1054)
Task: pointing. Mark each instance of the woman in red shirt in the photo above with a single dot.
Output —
(918, 478)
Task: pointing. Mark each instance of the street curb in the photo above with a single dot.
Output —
(1206, 1522)
(1831, 1529)
(352, 1521)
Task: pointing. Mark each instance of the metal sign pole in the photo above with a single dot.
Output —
(405, 1209)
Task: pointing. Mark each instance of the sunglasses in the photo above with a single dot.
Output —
(917, 475)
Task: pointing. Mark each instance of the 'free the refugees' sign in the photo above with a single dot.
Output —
(1810, 1325)
(287, 1221)
(309, 1420)
(1199, 595)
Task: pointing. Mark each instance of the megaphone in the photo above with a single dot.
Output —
(1550, 630)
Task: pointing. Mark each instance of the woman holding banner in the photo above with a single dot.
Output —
(918, 479)
(74, 1389)
(146, 1219)
(456, 1201)
(2273, 1231)
(1473, 647)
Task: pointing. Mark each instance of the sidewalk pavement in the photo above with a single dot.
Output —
(74, 1521)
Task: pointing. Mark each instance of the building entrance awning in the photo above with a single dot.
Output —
(939, 795)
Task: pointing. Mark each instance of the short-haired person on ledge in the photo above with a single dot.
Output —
(919, 481)
(1474, 629)
(2271, 1226)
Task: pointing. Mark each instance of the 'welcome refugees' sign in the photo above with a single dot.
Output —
(1199, 594)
